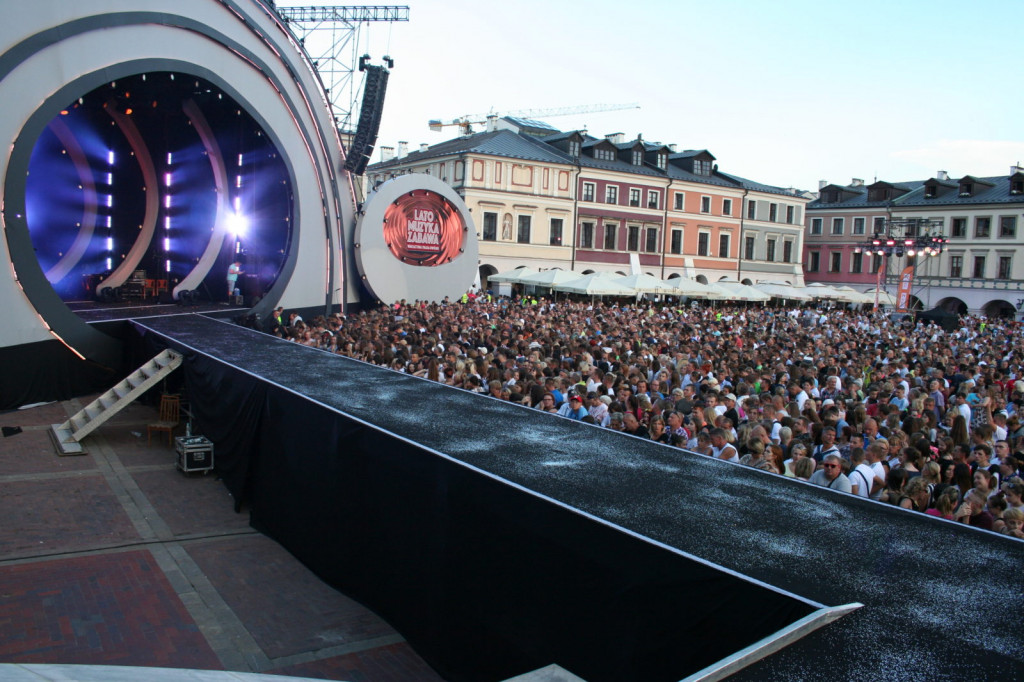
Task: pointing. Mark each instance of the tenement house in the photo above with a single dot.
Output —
(545, 198)
(956, 239)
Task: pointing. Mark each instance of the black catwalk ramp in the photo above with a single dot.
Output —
(940, 599)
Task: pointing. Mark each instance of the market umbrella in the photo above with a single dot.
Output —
(783, 291)
(595, 284)
(684, 286)
(645, 284)
(743, 292)
(547, 278)
(512, 276)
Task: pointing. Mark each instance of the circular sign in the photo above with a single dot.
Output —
(423, 228)
(415, 240)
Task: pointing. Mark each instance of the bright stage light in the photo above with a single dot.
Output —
(237, 224)
(110, 243)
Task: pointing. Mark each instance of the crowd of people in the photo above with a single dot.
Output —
(902, 413)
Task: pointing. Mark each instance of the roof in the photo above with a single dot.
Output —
(987, 190)
(509, 144)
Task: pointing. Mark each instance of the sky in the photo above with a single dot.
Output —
(785, 93)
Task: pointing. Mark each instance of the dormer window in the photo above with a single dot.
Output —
(830, 196)
(574, 148)
(604, 154)
(662, 161)
(638, 157)
(1017, 187)
(966, 189)
(701, 167)
(930, 191)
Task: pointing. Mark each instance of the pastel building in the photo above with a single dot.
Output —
(545, 198)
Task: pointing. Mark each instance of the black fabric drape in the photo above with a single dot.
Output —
(48, 370)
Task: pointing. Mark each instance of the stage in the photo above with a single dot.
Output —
(494, 537)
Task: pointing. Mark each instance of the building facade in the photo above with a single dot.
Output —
(543, 198)
(979, 267)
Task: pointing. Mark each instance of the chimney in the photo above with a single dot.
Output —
(492, 123)
(942, 175)
(857, 182)
(403, 149)
(822, 184)
(672, 147)
(424, 146)
(1016, 168)
(387, 153)
(615, 138)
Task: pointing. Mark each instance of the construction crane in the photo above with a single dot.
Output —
(466, 123)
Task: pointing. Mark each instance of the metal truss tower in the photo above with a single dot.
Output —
(330, 36)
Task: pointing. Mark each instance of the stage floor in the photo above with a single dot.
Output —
(935, 593)
(95, 311)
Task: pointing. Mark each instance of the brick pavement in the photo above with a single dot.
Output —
(117, 558)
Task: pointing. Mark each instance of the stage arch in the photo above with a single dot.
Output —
(59, 59)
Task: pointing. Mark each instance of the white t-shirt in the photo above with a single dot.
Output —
(862, 477)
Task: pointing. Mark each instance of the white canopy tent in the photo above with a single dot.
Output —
(595, 284)
(738, 291)
(548, 278)
(512, 276)
(783, 291)
(645, 284)
(684, 286)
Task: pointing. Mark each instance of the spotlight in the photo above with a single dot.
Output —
(237, 224)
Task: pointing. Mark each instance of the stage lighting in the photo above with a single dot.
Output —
(237, 224)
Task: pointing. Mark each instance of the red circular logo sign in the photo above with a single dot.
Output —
(423, 228)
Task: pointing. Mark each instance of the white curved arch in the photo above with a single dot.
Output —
(142, 242)
(220, 181)
(74, 254)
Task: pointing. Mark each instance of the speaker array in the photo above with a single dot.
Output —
(376, 84)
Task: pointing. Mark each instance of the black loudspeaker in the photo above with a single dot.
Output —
(369, 119)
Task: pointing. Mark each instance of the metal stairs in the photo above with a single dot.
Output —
(67, 437)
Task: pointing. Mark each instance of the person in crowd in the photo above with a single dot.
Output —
(831, 475)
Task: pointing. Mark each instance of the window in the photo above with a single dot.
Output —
(523, 237)
(662, 160)
(633, 238)
(787, 251)
(604, 154)
(814, 261)
(770, 250)
(490, 227)
(555, 235)
(677, 241)
(959, 228)
(609, 236)
(680, 200)
(956, 266)
(634, 197)
(638, 157)
(726, 206)
(586, 235)
(574, 148)
(879, 226)
(837, 225)
(588, 191)
(611, 194)
(705, 204)
(773, 212)
(702, 243)
(652, 198)
(751, 210)
(1017, 187)
(836, 258)
(701, 167)
(723, 246)
(966, 189)
(1004, 267)
(982, 227)
(858, 225)
(816, 225)
(749, 248)
(1008, 226)
(856, 262)
(651, 241)
(791, 214)
(979, 267)
(876, 263)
